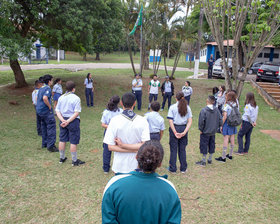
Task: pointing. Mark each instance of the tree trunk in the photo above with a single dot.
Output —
(130, 54)
(197, 53)
(85, 57)
(97, 58)
(19, 76)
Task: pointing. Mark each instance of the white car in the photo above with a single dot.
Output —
(218, 68)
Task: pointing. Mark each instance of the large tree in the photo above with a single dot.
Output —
(20, 24)
(250, 23)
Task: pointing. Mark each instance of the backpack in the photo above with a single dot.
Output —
(234, 119)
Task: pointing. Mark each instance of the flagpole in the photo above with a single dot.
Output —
(141, 49)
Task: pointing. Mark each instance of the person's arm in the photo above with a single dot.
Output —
(59, 115)
(189, 124)
(72, 118)
(109, 214)
(103, 125)
(171, 124)
(160, 134)
(224, 117)
(116, 148)
(46, 101)
(134, 83)
(201, 121)
(128, 147)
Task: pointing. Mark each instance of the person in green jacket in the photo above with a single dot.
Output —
(142, 196)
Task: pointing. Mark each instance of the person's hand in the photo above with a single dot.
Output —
(64, 124)
(254, 124)
(118, 142)
(178, 135)
(201, 132)
(221, 129)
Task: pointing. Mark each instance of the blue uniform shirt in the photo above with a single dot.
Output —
(107, 115)
(156, 122)
(41, 107)
(57, 88)
(174, 115)
(88, 83)
(68, 104)
(139, 83)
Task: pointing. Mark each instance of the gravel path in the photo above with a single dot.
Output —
(78, 67)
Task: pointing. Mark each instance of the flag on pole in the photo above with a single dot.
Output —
(138, 21)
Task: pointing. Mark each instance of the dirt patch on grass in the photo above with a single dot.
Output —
(273, 133)
(18, 91)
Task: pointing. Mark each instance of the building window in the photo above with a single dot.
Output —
(260, 55)
(275, 55)
(266, 55)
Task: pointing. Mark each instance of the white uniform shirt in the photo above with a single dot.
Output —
(88, 83)
(187, 90)
(139, 83)
(57, 88)
(156, 122)
(68, 104)
(34, 96)
(154, 85)
(221, 99)
(250, 113)
(130, 132)
(107, 115)
(174, 115)
(167, 87)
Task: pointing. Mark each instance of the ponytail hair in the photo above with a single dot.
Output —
(113, 103)
(182, 104)
(57, 80)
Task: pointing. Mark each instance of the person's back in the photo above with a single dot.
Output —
(125, 134)
(142, 196)
(130, 131)
(150, 195)
(210, 120)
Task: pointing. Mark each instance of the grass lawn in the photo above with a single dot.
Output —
(115, 57)
(35, 188)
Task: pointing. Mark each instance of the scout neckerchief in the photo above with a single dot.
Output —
(129, 114)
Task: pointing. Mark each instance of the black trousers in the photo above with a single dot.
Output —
(246, 130)
(210, 70)
(178, 145)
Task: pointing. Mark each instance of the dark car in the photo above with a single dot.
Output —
(255, 67)
(268, 72)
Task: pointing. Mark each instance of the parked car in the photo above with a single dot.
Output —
(268, 71)
(218, 68)
(255, 67)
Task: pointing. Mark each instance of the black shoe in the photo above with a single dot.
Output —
(220, 159)
(78, 162)
(171, 171)
(201, 163)
(209, 161)
(239, 153)
(53, 149)
(229, 157)
(62, 160)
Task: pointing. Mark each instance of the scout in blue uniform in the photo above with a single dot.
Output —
(249, 120)
(156, 122)
(180, 121)
(56, 91)
(89, 89)
(67, 110)
(167, 90)
(228, 131)
(142, 196)
(210, 120)
(137, 90)
(45, 111)
(210, 63)
(111, 111)
(37, 85)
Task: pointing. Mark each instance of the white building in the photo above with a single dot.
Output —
(269, 53)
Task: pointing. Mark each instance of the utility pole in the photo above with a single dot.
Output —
(197, 53)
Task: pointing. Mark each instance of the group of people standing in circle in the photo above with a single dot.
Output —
(167, 90)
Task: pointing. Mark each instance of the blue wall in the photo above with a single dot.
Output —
(156, 58)
(210, 50)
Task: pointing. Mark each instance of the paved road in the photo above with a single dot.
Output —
(78, 67)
